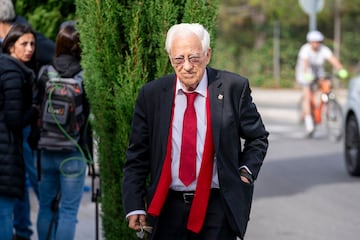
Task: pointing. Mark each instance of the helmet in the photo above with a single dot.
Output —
(314, 36)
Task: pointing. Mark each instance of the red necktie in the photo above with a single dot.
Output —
(202, 192)
(187, 171)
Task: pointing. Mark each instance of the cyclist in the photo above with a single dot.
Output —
(310, 71)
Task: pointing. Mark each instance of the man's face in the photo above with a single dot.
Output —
(315, 45)
(24, 48)
(188, 59)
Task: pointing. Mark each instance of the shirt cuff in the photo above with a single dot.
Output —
(247, 169)
(141, 212)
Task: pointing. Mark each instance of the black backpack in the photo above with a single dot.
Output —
(61, 112)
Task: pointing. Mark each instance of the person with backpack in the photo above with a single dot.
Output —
(16, 111)
(64, 138)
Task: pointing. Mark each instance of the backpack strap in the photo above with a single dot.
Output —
(41, 72)
(52, 72)
(79, 76)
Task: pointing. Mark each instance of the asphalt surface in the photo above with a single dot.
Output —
(274, 105)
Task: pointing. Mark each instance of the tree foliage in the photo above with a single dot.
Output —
(244, 30)
(46, 16)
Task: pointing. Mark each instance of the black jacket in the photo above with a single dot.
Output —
(16, 82)
(240, 139)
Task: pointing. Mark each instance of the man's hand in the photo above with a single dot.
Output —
(244, 179)
(136, 221)
(245, 176)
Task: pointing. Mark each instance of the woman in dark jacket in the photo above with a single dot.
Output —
(16, 111)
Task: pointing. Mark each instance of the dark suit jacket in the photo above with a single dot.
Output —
(234, 119)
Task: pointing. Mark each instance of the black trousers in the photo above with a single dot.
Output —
(172, 221)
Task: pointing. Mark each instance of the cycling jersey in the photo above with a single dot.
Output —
(316, 60)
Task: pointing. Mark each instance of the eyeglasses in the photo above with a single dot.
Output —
(181, 60)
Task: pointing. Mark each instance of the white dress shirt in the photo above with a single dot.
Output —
(200, 108)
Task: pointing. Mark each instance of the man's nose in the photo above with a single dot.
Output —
(187, 64)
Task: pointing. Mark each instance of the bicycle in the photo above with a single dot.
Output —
(326, 110)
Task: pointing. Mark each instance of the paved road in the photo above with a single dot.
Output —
(304, 193)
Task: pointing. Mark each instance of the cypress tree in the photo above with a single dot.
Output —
(123, 48)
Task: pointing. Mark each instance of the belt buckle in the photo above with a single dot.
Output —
(188, 197)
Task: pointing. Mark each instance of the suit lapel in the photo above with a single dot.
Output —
(166, 100)
(216, 95)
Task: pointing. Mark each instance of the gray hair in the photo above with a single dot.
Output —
(7, 12)
(188, 28)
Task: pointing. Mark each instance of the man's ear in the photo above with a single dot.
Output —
(209, 52)
(208, 55)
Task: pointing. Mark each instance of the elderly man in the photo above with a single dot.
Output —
(187, 173)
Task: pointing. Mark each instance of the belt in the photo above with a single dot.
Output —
(188, 196)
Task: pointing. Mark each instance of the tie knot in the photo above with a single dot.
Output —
(190, 97)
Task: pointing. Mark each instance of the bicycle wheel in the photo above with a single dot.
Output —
(334, 120)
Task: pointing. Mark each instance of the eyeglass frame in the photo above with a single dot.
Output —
(180, 60)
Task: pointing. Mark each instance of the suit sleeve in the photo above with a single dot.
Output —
(138, 159)
(253, 131)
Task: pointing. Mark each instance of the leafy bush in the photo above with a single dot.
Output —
(46, 16)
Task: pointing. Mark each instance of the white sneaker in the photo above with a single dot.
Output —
(309, 124)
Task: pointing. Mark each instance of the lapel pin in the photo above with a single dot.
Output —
(220, 96)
